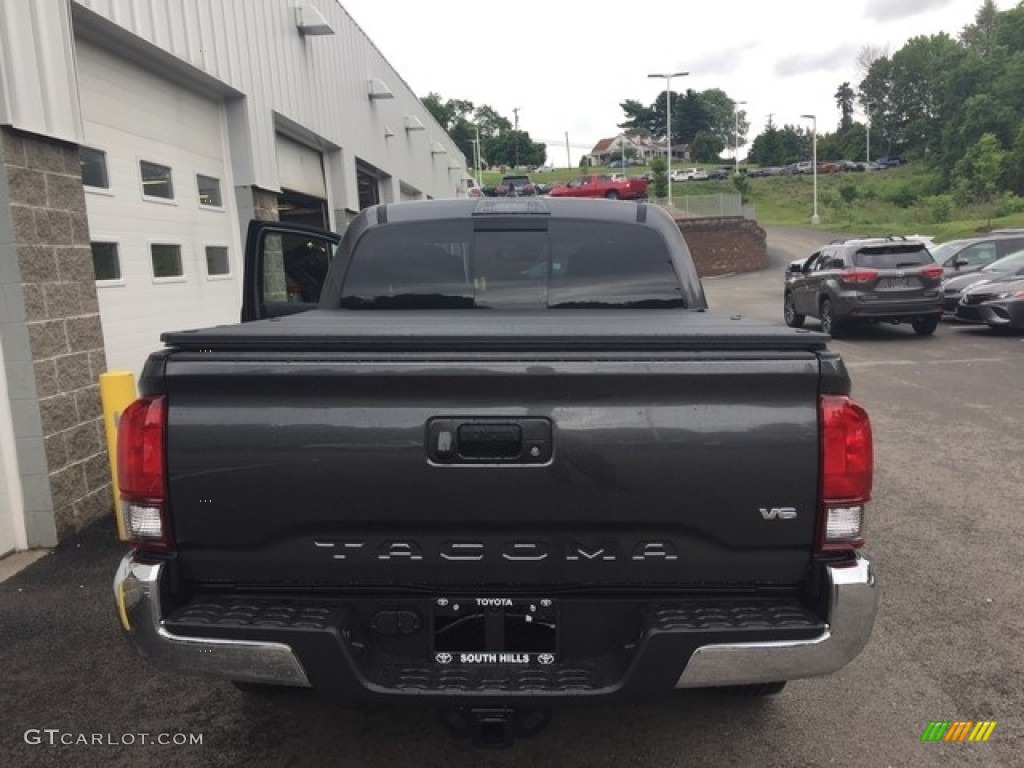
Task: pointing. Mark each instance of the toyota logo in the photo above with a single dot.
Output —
(443, 658)
(546, 658)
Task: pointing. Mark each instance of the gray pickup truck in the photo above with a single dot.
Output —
(501, 457)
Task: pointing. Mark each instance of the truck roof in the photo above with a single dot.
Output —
(416, 210)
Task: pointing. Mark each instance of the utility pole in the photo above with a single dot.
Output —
(568, 157)
(515, 111)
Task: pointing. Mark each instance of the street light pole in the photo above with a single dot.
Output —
(668, 123)
(814, 163)
(515, 111)
(736, 137)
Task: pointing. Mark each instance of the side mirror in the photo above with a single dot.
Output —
(957, 263)
(796, 269)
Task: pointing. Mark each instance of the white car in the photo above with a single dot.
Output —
(545, 169)
(471, 187)
(688, 174)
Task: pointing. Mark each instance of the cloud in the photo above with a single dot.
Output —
(721, 61)
(807, 64)
(888, 10)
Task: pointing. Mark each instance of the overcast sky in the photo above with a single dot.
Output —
(568, 64)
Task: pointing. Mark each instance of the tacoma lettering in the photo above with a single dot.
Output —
(650, 550)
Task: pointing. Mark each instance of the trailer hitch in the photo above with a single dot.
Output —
(494, 727)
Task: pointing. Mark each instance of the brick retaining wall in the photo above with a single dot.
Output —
(725, 244)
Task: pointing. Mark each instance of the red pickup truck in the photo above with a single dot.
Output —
(602, 185)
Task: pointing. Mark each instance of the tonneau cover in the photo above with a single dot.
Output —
(421, 330)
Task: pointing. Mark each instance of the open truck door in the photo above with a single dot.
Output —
(285, 268)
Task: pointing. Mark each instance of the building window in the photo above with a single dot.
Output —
(209, 190)
(93, 164)
(166, 259)
(105, 261)
(217, 260)
(369, 189)
(156, 180)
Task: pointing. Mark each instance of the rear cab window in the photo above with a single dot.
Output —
(565, 264)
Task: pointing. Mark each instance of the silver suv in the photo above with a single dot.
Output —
(890, 279)
(961, 257)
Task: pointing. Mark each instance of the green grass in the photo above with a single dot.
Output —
(896, 201)
(882, 202)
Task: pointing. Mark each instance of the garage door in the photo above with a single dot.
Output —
(300, 168)
(160, 202)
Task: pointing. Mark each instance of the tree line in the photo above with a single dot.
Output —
(500, 142)
(953, 104)
(956, 105)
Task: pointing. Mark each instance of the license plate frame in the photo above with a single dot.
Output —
(897, 283)
(495, 631)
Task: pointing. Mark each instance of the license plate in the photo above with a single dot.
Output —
(511, 631)
(896, 282)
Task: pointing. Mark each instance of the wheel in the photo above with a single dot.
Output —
(793, 318)
(612, 194)
(829, 324)
(926, 325)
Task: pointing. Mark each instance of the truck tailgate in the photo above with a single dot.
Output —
(685, 467)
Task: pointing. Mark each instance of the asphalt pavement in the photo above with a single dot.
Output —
(945, 529)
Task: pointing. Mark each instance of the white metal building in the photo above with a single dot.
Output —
(139, 138)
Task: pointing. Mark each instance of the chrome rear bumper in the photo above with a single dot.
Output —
(853, 604)
(137, 590)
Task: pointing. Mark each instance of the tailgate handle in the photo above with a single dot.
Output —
(490, 441)
(487, 441)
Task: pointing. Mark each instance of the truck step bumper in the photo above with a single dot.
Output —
(137, 592)
(853, 603)
(651, 645)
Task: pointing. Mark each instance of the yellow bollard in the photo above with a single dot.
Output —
(117, 392)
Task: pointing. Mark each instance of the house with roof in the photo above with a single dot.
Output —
(637, 146)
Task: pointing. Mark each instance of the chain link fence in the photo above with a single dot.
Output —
(697, 206)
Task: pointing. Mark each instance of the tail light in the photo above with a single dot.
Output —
(847, 462)
(858, 275)
(141, 473)
(933, 271)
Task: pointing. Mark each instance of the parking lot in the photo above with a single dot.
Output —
(945, 529)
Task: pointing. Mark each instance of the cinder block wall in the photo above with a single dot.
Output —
(50, 290)
(722, 245)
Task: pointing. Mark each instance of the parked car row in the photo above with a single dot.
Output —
(1006, 269)
(906, 279)
(806, 166)
(985, 279)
